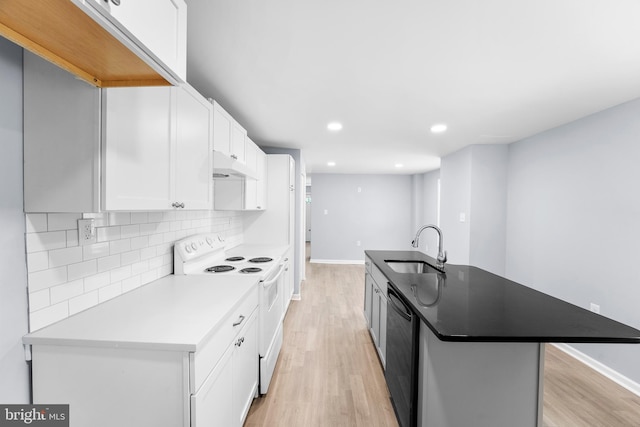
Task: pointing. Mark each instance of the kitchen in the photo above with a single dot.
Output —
(549, 255)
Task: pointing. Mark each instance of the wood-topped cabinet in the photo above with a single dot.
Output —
(91, 150)
(106, 43)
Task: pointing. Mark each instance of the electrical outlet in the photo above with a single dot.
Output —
(594, 307)
(86, 232)
(357, 242)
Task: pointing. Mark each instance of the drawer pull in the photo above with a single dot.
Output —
(240, 320)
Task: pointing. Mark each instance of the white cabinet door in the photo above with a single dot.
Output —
(160, 25)
(261, 172)
(137, 144)
(222, 125)
(238, 137)
(245, 369)
(212, 405)
(192, 160)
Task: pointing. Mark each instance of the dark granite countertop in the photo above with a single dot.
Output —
(470, 304)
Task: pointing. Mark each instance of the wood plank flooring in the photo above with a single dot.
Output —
(328, 372)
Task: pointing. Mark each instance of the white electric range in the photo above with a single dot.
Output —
(206, 254)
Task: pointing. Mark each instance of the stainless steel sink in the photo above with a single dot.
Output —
(418, 267)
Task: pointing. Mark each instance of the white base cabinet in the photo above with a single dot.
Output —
(136, 383)
(226, 395)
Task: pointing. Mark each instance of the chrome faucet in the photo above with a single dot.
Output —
(442, 255)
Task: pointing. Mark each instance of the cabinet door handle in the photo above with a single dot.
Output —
(240, 320)
(234, 157)
(177, 205)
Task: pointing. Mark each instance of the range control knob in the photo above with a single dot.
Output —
(194, 246)
(209, 241)
(187, 248)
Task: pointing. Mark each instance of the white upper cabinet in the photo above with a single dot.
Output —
(228, 135)
(108, 43)
(238, 142)
(137, 145)
(192, 156)
(156, 149)
(222, 125)
(160, 26)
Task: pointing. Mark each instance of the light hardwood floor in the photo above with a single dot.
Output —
(328, 373)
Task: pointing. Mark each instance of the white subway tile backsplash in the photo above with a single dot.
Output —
(119, 218)
(119, 246)
(157, 216)
(129, 231)
(131, 283)
(108, 263)
(146, 253)
(46, 241)
(72, 238)
(48, 315)
(39, 300)
(47, 278)
(130, 257)
(97, 250)
(106, 234)
(83, 302)
(96, 281)
(139, 242)
(60, 221)
(139, 217)
(133, 249)
(120, 274)
(37, 261)
(36, 223)
(108, 292)
(66, 291)
(66, 256)
(83, 269)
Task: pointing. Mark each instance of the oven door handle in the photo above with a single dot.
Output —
(268, 283)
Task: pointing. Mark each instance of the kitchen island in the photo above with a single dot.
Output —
(481, 339)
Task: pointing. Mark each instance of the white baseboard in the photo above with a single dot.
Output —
(296, 297)
(613, 375)
(336, 261)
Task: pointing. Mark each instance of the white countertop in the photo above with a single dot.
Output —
(172, 313)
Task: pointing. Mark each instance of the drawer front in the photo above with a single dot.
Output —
(379, 278)
(204, 360)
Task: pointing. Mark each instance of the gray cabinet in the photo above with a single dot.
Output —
(375, 308)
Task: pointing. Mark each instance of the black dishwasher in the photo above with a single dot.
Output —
(402, 358)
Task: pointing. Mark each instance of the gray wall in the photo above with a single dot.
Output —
(14, 380)
(573, 223)
(379, 216)
(473, 184)
(425, 209)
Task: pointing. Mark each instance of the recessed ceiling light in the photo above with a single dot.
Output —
(399, 165)
(438, 128)
(334, 126)
(331, 163)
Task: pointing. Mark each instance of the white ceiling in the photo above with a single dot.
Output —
(495, 71)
